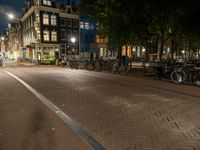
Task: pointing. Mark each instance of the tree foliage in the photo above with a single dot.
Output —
(138, 21)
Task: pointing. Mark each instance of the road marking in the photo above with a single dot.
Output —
(71, 123)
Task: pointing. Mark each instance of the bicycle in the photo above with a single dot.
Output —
(185, 73)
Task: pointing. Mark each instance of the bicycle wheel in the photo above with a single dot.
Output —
(124, 70)
(114, 68)
(178, 77)
(197, 79)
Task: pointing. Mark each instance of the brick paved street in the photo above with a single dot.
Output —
(26, 124)
(122, 113)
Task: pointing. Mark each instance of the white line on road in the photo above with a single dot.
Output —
(72, 124)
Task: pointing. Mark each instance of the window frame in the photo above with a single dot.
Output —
(56, 36)
(63, 19)
(45, 19)
(46, 37)
(53, 20)
(63, 32)
(63, 45)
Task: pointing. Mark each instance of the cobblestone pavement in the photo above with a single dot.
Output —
(123, 113)
(26, 124)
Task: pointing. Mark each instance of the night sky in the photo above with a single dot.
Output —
(13, 6)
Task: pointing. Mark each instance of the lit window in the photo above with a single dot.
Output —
(46, 35)
(45, 19)
(63, 34)
(69, 22)
(53, 36)
(81, 25)
(47, 2)
(87, 25)
(101, 52)
(53, 20)
(37, 16)
(38, 34)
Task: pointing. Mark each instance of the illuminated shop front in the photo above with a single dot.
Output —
(47, 55)
(134, 52)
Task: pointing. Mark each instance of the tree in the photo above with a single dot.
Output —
(134, 21)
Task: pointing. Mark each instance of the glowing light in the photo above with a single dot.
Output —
(73, 39)
(2, 38)
(11, 16)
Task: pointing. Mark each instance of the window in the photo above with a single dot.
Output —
(81, 25)
(63, 49)
(87, 25)
(63, 22)
(46, 35)
(38, 35)
(45, 19)
(69, 22)
(75, 24)
(101, 52)
(53, 36)
(63, 34)
(75, 34)
(53, 20)
(47, 2)
(91, 26)
(69, 35)
(37, 16)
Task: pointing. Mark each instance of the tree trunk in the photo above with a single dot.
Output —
(161, 47)
(172, 49)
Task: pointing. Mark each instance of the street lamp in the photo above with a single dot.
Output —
(73, 40)
(11, 16)
(144, 53)
(183, 54)
(2, 38)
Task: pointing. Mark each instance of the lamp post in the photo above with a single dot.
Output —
(144, 53)
(73, 40)
(183, 54)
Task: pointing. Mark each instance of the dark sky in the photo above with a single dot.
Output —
(13, 6)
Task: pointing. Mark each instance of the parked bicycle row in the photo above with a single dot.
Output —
(177, 71)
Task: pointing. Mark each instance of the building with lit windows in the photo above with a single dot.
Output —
(92, 45)
(47, 28)
(87, 37)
